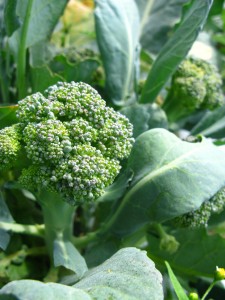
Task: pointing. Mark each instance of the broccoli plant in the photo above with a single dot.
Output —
(74, 144)
(196, 85)
(94, 198)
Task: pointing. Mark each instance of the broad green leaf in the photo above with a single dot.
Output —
(212, 124)
(176, 49)
(129, 274)
(35, 290)
(4, 239)
(171, 177)
(202, 252)
(117, 29)
(154, 34)
(145, 117)
(40, 21)
(117, 189)
(8, 115)
(66, 255)
(177, 287)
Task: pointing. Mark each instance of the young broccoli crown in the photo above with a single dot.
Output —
(195, 85)
(74, 140)
(9, 146)
(201, 216)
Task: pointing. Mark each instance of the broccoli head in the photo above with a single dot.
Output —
(201, 216)
(196, 85)
(74, 142)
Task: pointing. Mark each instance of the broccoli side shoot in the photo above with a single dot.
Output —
(201, 216)
(196, 85)
(74, 142)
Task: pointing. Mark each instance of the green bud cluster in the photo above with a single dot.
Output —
(75, 142)
(196, 85)
(201, 216)
(9, 146)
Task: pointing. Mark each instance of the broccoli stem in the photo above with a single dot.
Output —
(58, 219)
(35, 230)
(174, 109)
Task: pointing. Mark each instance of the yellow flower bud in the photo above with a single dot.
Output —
(219, 274)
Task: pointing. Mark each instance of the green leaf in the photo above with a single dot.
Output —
(43, 17)
(10, 18)
(171, 177)
(66, 255)
(80, 71)
(8, 115)
(5, 215)
(35, 290)
(212, 124)
(129, 274)
(176, 49)
(154, 34)
(145, 117)
(4, 239)
(177, 287)
(118, 44)
(118, 188)
(202, 252)
(42, 78)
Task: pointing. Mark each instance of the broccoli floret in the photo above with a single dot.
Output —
(73, 140)
(9, 146)
(196, 85)
(201, 216)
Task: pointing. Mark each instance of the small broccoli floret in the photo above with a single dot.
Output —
(196, 85)
(74, 141)
(201, 216)
(9, 146)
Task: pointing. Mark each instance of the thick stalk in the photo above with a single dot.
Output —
(21, 60)
(58, 219)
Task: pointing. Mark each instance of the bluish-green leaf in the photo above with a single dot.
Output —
(145, 117)
(212, 124)
(171, 177)
(176, 49)
(4, 239)
(5, 215)
(66, 255)
(129, 275)
(117, 29)
(154, 34)
(118, 188)
(36, 290)
(176, 284)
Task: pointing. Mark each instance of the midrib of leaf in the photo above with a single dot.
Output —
(139, 185)
(131, 59)
(147, 12)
